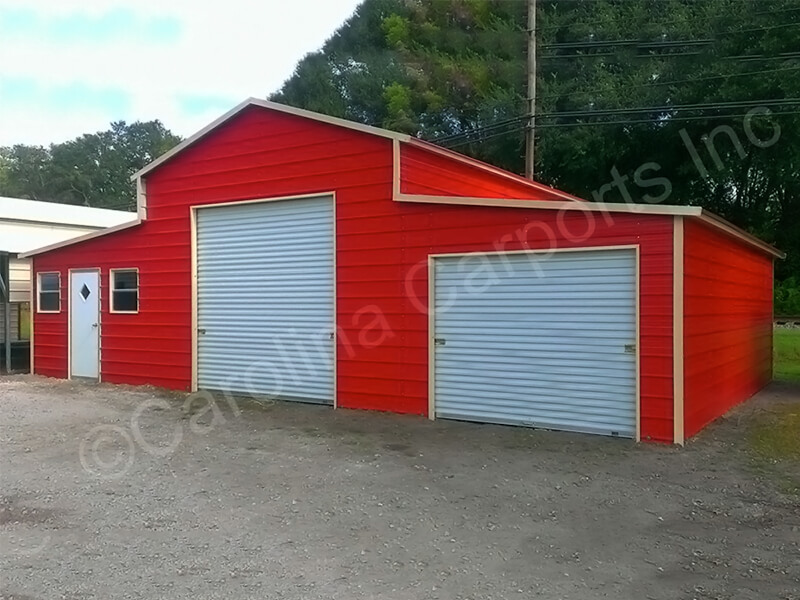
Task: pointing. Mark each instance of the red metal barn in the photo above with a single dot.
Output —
(288, 254)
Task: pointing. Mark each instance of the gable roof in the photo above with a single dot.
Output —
(353, 126)
(283, 108)
(567, 201)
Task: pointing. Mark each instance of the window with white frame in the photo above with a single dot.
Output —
(124, 291)
(49, 291)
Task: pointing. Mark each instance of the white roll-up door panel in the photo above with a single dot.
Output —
(265, 299)
(541, 341)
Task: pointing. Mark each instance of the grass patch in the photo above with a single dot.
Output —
(776, 433)
(775, 441)
(787, 354)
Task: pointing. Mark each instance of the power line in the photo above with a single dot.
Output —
(692, 17)
(652, 44)
(751, 57)
(669, 108)
(675, 81)
(614, 43)
(741, 58)
(619, 122)
(777, 102)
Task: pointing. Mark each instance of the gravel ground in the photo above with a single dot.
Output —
(119, 492)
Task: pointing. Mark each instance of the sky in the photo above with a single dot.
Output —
(69, 67)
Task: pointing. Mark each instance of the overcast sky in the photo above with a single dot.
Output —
(69, 67)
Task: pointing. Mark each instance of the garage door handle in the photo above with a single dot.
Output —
(439, 341)
(630, 348)
(201, 331)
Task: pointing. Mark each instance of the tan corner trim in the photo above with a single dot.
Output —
(395, 169)
(638, 294)
(478, 164)
(431, 338)
(554, 205)
(69, 324)
(677, 331)
(32, 313)
(283, 108)
(82, 238)
(141, 198)
(193, 242)
(335, 324)
(740, 234)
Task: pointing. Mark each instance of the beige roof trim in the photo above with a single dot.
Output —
(478, 164)
(354, 126)
(283, 108)
(644, 209)
(569, 202)
(82, 238)
(716, 221)
(555, 205)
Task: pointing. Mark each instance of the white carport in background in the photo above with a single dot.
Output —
(27, 225)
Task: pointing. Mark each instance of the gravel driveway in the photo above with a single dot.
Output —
(119, 492)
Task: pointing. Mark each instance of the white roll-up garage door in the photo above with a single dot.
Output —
(541, 341)
(265, 299)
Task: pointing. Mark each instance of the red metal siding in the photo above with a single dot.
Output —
(727, 324)
(427, 172)
(146, 348)
(392, 250)
(382, 250)
(50, 329)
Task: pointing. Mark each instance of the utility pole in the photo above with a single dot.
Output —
(529, 133)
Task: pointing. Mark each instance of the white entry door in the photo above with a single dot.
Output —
(84, 320)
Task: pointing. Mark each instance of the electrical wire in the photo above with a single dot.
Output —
(775, 102)
(659, 43)
(674, 107)
(742, 58)
(618, 122)
(692, 17)
(676, 81)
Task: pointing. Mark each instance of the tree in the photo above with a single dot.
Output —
(92, 170)
(454, 70)
(25, 172)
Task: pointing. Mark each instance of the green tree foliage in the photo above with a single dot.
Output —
(438, 68)
(91, 170)
(787, 297)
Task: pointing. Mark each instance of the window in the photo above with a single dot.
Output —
(124, 291)
(49, 293)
